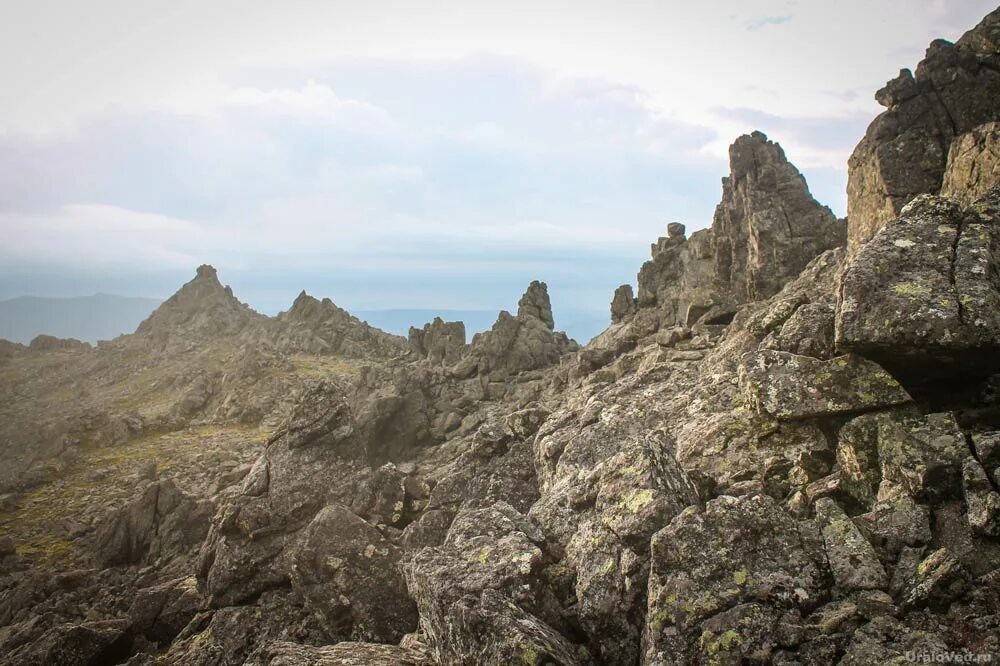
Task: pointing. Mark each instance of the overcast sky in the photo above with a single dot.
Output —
(412, 154)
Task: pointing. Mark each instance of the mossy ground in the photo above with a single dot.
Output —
(42, 523)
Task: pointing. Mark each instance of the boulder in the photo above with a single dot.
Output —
(852, 559)
(735, 551)
(922, 297)
(788, 386)
(982, 500)
(482, 596)
(335, 551)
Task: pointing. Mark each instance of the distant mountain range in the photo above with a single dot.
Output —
(106, 316)
(87, 318)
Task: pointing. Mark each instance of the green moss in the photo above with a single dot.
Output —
(484, 554)
(741, 576)
(529, 654)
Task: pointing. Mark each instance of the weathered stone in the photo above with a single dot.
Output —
(439, 341)
(161, 521)
(923, 455)
(922, 298)
(335, 551)
(535, 303)
(623, 304)
(767, 213)
(982, 501)
(894, 525)
(736, 550)
(852, 559)
(481, 595)
(679, 279)
(341, 654)
(973, 164)
(904, 151)
(886, 640)
(789, 386)
(940, 579)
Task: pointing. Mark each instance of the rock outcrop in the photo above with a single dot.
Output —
(765, 230)
(923, 296)
(776, 453)
(767, 226)
(932, 125)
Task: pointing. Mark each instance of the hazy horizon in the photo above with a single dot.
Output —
(440, 159)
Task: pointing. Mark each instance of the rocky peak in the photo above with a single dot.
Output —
(439, 341)
(202, 307)
(535, 303)
(910, 148)
(319, 326)
(310, 308)
(767, 226)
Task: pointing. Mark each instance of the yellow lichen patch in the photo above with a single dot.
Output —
(911, 290)
(637, 500)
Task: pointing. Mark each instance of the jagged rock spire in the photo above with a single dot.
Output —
(535, 303)
(767, 226)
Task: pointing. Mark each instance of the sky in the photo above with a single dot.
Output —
(395, 154)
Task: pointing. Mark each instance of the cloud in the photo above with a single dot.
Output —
(403, 170)
(764, 21)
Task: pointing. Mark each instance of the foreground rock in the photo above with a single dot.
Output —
(923, 298)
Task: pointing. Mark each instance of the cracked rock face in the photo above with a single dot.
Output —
(767, 226)
(907, 149)
(924, 294)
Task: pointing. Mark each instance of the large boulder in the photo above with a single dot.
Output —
(482, 595)
(788, 386)
(922, 298)
(335, 551)
(745, 556)
(314, 459)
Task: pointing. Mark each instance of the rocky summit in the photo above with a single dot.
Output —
(784, 448)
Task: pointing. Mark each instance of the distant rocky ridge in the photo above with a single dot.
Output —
(765, 230)
(785, 449)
